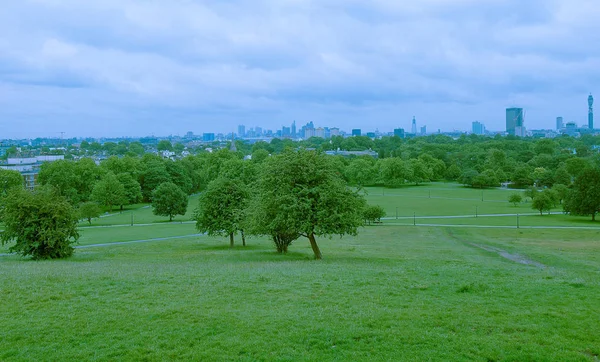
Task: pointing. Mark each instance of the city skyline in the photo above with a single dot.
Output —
(124, 68)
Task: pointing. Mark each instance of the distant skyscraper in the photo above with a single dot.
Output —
(591, 112)
(399, 132)
(478, 128)
(356, 132)
(259, 131)
(241, 131)
(232, 147)
(208, 137)
(320, 132)
(294, 129)
(514, 122)
(559, 123)
(413, 128)
(423, 130)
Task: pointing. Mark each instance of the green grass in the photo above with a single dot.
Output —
(390, 293)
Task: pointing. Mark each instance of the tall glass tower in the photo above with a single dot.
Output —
(514, 122)
(591, 112)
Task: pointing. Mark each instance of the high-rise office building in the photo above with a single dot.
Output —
(514, 122)
(591, 112)
(559, 123)
(241, 131)
(413, 128)
(294, 129)
(478, 128)
(423, 130)
(356, 132)
(399, 132)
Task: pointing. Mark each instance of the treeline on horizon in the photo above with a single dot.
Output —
(474, 161)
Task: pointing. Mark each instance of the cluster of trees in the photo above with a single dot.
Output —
(291, 195)
(475, 161)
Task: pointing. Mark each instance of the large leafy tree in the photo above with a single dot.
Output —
(133, 191)
(41, 223)
(222, 208)
(542, 202)
(89, 210)
(584, 197)
(361, 172)
(9, 179)
(62, 176)
(169, 200)
(109, 191)
(155, 174)
(302, 193)
(394, 171)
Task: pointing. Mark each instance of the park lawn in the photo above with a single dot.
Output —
(391, 293)
(445, 199)
(142, 214)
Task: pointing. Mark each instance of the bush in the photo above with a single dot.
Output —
(41, 223)
(373, 214)
(515, 199)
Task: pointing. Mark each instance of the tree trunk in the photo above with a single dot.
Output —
(594, 216)
(314, 246)
(170, 217)
(231, 240)
(243, 238)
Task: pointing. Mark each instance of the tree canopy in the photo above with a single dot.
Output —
(584, 196)
(300, 193)
(222, 208)
(41, 223)
(169, 200)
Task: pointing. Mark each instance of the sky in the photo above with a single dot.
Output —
(119, 68)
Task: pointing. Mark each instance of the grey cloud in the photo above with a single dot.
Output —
(274, 59)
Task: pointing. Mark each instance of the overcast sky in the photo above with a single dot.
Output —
(141, 67)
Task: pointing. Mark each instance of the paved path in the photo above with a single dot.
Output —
(126, 242)
(500, 226)
(465, 216)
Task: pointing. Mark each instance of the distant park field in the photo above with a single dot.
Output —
(451, 273)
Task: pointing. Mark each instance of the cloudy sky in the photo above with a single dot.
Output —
(141, 67)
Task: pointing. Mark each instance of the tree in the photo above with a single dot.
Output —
(302, 193)
(373, 214)
(132, 188)
(109, 191)
(222, 208)
(89, 210)
(169, 200)
(561, 192)
(360, 172)
(9, 180)
(531, 192)
(469, 177)
(515, 199)
(164, 145)
(420, 171)
(42, 223)
(542, 202)
(155, 174)
(584, 197)
(394, 171)
(61, 175)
